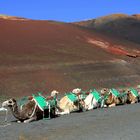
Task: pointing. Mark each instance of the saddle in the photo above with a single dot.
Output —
(72, 97)
(134, 92)
(96, 95)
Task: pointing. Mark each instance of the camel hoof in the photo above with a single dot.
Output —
(113, 105)
(132, 102)
(18, 121)
(26, 121)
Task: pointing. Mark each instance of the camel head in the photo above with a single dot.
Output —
(54, 93)
(76, 90)
(128, 92)
(104, 91)
(130, 97)
(9, 103)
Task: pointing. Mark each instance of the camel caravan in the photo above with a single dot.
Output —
(38, 107)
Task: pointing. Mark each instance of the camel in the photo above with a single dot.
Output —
(132, 96)
(93, 100)
(31, 111)
(28, 112)
(112, 97)
(70, 102)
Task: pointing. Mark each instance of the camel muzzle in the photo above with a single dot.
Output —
(4, 104)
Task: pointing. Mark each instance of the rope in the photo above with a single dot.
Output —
(33, 111)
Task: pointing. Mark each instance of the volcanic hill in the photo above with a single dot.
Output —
(118, 25)
(40, 55)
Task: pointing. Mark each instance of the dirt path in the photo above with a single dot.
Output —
(119, 123)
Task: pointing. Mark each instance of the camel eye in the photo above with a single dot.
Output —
(10, 102)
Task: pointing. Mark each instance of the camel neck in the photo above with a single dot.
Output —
(15, 111)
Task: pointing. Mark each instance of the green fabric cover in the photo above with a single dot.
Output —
(72, 97)
(41, 102)
(134, 92)
(115, 92)
(96, 95)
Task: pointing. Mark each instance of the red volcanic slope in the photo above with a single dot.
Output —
(43, 55)
(42, 38)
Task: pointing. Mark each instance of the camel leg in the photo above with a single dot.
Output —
(65, 112)
(132, 102)
(135, 100)
(29, 120)
(62, 112)
(103, 105)
(112, 105)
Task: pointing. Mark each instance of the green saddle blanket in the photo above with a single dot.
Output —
(41, 102)
(134, 92)
(72, 97)
(115, 92)
(96, 95)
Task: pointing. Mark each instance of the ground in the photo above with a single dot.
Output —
(118, 123)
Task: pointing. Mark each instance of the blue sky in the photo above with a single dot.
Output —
(67, 10)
